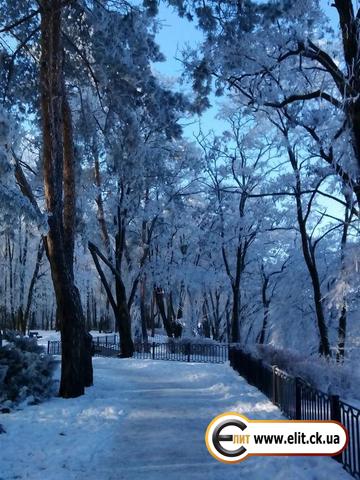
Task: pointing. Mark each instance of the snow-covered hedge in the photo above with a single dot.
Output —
(326, 375)
(25, 373)
(193, 340)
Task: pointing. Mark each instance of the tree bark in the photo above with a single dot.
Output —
(159, 297)
(143, 310)
(310, 260)
(350, 32)
(123, 320)
(33, 281)
(119, 306)
(235, 320)
(266, 306)
(60, 203)
(343, 315)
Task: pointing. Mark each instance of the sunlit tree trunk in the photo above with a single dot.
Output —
(59, 181)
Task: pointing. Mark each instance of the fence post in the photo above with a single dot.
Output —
(48, 349)
(335, 413)
(335, 408)
(297, 398)
(153, 350)
(274, 389)
(188, 351)
(106, 341)
(115, 339)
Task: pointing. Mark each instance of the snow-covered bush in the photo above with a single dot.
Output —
(23, 343)
(25, 373)
(326, 375)
(193, 340)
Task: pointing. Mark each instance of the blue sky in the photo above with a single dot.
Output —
(175, 35)
(178, 33)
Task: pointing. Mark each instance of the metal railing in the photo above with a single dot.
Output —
(300, 401)
(350, 418)
(181, 352)
(54, 346)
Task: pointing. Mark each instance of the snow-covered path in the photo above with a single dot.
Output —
(144, 420)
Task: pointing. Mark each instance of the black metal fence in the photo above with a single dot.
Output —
(54, 346)
(181, 352)
(300, 401)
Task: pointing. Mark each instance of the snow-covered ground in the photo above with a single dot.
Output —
(144, 419)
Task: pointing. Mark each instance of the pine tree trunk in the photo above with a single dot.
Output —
(59, 240)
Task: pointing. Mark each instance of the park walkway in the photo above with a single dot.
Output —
(167, 407)
(145, 419)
